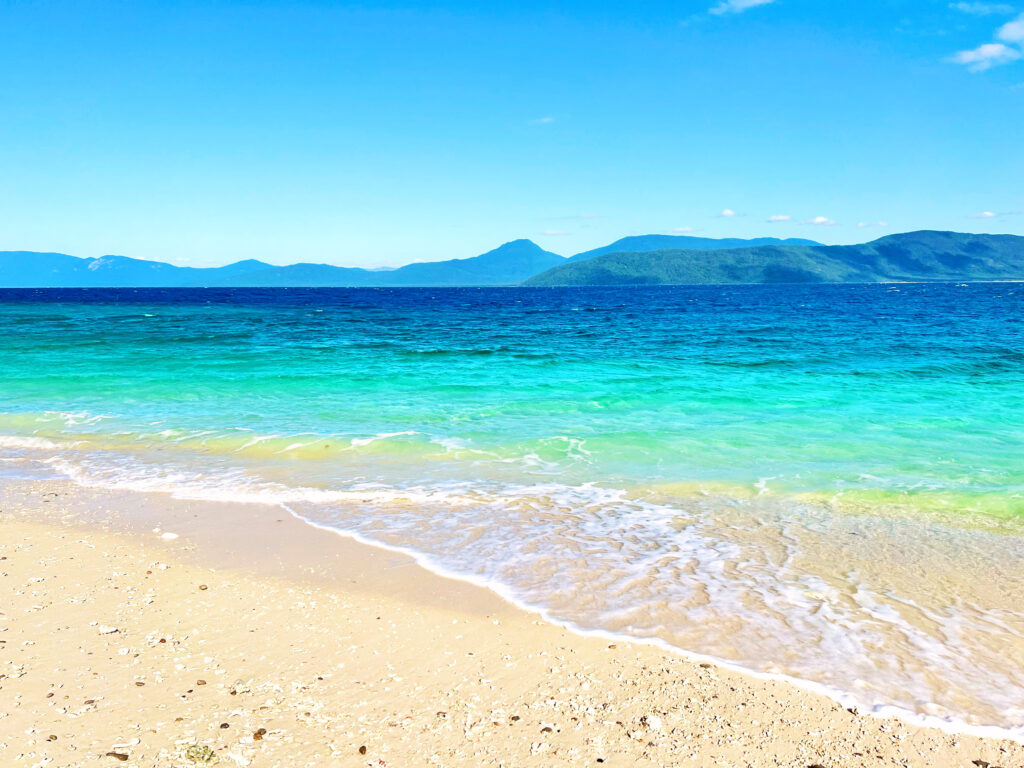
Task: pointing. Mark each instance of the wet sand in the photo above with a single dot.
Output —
(140, 630)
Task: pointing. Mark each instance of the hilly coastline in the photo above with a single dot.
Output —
(924, 255)
(509, 264)
(648, 243)
(636, 260)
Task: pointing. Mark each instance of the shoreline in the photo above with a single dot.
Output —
(845, 699)
(474, 590)
(264, 552)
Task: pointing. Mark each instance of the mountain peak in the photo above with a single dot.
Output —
(520, 244)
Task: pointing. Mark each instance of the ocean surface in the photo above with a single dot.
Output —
(822, 482)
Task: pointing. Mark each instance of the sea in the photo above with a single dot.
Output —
(823, 483)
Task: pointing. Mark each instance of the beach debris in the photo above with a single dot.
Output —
(259, 734)
(651, 722)
(362, 750)
(118, 756)
(225, 725)
(105, 630)
(168, 536)
(240, 686)
(203, 587)
(200, 753)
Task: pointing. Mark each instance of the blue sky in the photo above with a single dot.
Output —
(379, 134)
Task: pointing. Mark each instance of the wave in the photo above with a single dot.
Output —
(774, 585)
(30, 443)
(845, 698)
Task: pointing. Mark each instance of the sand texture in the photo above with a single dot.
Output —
(242, 640)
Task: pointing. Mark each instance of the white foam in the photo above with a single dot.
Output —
(28, 443)
(532, 545)
(256, 441)
(360, 441)
(844, 698)
(237, 487)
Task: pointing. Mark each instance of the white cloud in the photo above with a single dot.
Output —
(779, 219)
(821, 221)
(991, 55)
(555, 232)
(728, 213)
(683, 230)
(736, 6)
(983, 215)
(982, 9)
(863, 224)
(1012, 31)
(543, 121)
(986, 56)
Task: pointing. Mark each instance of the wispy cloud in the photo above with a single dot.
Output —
(728, 213)
(984, 215)
(547, 120)
(683, 230)
(1012, 31)
(982, 9)
(779, 219)
(736, 6)
(555, 232)
(863, 224)
(988, 55)
(821, 221)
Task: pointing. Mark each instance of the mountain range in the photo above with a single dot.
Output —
(637, 260)
(511, 263)
(647, 243)
(912, 256)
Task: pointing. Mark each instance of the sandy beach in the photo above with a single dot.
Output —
(140, 630)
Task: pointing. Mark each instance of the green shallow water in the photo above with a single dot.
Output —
(655, 462)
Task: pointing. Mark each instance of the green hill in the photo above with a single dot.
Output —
(924, 255)
(646, 243)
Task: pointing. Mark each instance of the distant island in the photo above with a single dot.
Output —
(638, 260)
(912, 256)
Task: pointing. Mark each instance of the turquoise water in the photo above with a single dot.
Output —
(770, 475)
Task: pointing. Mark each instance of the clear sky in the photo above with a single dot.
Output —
(379, 134)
